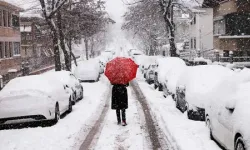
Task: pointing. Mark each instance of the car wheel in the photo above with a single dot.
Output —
(160, 88)
(57, 114)
(70, 105)
(239, 144)
(189, 114)
(155, 86)
(81, 94)
(208, 123)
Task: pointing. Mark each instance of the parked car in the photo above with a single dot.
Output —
(163, 66)
(194, 85)
(173, 70)
(227, 116)
(69, 79)
(34, 98)
(88, 71)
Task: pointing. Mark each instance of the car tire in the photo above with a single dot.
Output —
(70, 105)
(57, 113)
(160, 88)
(189, 116)
(81, 94)
(208, 123)
(239, 144)
(155, 86)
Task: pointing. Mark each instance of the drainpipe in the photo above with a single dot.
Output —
(1, 82)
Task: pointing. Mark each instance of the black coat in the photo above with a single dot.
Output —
(119, 97)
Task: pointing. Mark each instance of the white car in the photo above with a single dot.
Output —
(194, 85)
(228, 115)
(164, 65)
(68, 78)
(34, 98)
(88, 71)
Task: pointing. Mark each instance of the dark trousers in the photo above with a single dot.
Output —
(118, 114)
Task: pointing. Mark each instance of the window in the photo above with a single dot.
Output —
(1, 18)
(10, 49)
(194, 19)
(194, 43)
(15, 21)
(6, 49)
(191, 43)
(16, 46)
(1, 50)
(4, 18)
(9, 19)
(219, 27)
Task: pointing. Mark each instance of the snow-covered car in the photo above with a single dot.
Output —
(193, 86)
(228, 115)
(34, 98)
(88, 71)
(164, 65)
(68, 78)
(173, 70)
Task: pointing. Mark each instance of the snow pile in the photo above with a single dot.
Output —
(243, 75)
(183, 133)
(167, 64)
(200, 80)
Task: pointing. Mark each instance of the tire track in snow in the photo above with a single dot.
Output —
(92, 136)
(117, 137)
(158, 141)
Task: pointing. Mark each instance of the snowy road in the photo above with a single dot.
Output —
(93, 125)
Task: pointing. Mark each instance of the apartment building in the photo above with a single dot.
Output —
(10, 38)
(231, 21)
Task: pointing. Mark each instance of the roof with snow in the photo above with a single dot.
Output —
(30, 8)
(10, 5)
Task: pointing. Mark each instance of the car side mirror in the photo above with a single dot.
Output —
(230, 109)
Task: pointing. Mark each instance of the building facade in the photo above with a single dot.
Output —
(231, 20)
(10, 38)
(36, 43)
(201, 31)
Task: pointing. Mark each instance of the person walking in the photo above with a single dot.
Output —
(120, 102)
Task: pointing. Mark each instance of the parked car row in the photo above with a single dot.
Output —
(45, 97)
(39, 97)
(211, 93)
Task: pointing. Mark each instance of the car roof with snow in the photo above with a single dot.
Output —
(31, 84)
(199, 80)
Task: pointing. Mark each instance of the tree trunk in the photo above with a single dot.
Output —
(62, 42)
(170, 26)
(86, 48)
(58, 66)
(92, 47)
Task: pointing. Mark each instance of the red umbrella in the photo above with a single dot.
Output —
(121, 70)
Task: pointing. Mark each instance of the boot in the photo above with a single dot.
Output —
(124, 123)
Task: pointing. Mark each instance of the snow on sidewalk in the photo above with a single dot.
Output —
(115, 136)
(68, 133)
(186, 134)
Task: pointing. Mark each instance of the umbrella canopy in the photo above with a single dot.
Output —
(121, 70)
